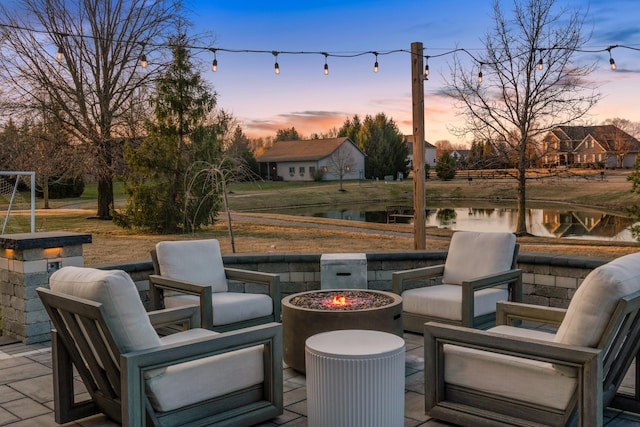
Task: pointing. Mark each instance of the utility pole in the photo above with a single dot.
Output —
(417, 97)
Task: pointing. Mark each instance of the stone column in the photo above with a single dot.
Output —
(26, 262)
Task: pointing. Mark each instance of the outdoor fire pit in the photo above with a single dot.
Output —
(308, 313)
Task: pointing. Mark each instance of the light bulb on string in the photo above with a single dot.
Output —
(60, 54)
(540, 64)
(143, 61)
(426, 68)
(375, 66)
(326, 66)
(276, 66)
(214, 65)
(612, 63)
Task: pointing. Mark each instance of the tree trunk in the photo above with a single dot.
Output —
(105, 197)
(521, 225)
(45, 192)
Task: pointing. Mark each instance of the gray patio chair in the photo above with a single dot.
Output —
(480, 270)
(511, 375)
(192, 272)
(135, 377)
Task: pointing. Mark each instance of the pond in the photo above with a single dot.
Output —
(559, 221)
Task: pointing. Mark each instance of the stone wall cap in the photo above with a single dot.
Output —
(45, 239)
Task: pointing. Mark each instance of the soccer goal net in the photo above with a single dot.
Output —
(17, 202)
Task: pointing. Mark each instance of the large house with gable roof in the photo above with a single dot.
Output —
(306, 160)
(605, 145)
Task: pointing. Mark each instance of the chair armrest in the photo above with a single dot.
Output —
(511, 277)
(586, 360)
(168, 316)
(399, 277)
(509, 312)
(157, 282)
(492, 280)
(272, 281)
(134, 364)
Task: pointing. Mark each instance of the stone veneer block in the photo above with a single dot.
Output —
(24, 262)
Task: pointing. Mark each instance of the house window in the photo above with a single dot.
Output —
(292, 171)
(312, 170)
(301, 170)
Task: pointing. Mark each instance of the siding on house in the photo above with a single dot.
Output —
(301, 160)
(429, 152)
(583, 145)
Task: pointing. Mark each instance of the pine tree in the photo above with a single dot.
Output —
(157, 198)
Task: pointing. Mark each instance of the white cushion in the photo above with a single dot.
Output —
(122, 308)
(475, 254)
(595, 300)
(198, 261)
(513, 377)
(445, 301)
(229, 307)
(190, 382)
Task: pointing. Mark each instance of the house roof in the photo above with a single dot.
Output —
(606, 135)
(409, 140)
(302, 150)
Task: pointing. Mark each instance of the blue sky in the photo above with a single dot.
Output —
(303, 97)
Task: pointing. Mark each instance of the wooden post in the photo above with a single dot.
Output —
(417, 97)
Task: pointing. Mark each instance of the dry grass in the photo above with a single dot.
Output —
(264, 233)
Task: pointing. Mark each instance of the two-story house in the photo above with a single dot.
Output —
(308, 160)
(605, 145)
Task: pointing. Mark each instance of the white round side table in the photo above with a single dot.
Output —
(355, 378)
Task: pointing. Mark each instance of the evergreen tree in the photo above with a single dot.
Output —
(383, 143)
(290, 134)
(446, 167)
(156, 183)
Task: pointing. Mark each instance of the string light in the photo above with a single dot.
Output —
(612, 63)
(214, 66)
(276, 67)
(540, 63)
(326, 66)
(426, 68)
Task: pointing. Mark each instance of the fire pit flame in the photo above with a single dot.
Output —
(339, 300)
(346, 300)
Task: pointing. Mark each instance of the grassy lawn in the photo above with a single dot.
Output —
(254, 234)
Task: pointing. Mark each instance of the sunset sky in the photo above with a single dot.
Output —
(303, 97)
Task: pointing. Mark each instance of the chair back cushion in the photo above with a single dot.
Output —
(594, 302)
(198, 261)
(122, 307)
(475, 254)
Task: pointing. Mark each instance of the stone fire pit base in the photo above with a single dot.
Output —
(299, 323)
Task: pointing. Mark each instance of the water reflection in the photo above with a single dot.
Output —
(560, 223)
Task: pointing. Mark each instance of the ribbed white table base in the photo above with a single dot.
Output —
(355, 389)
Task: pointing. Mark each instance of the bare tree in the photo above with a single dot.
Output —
(525, 82)
(340, 163)
(81, 60)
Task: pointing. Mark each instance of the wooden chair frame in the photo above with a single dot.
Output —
(600, 370)
(428, 276)
(115, 381)
(158, 284)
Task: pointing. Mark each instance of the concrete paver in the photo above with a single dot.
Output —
(26, 392)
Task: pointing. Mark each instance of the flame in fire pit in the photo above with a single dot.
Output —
(339, 300)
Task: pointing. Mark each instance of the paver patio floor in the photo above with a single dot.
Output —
(26, 391)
